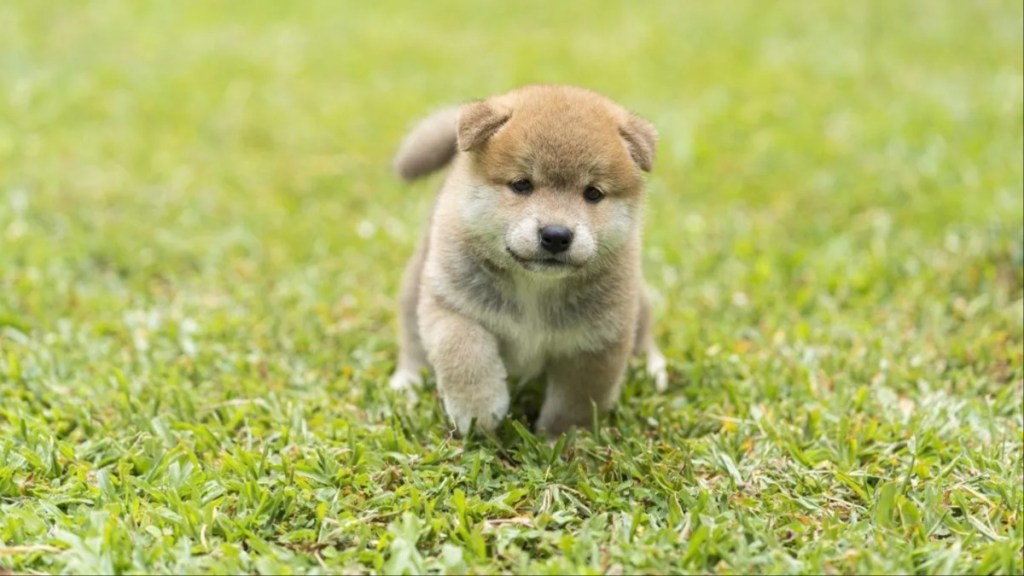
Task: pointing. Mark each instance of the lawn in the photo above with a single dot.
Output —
(201, 242)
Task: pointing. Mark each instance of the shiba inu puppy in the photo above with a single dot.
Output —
(531, 262)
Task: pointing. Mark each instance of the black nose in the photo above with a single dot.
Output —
(555, 239)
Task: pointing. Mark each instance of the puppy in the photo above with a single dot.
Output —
(531, 262)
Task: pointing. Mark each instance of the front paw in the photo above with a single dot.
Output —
(487, 409)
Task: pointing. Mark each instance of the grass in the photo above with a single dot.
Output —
(200, 243)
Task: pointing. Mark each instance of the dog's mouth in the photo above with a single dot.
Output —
(549, 263)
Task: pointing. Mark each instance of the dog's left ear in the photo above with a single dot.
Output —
(640, 137)
(478, 122)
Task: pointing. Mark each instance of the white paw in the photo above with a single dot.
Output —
(487, 410)
(406, 380)
(657, 369)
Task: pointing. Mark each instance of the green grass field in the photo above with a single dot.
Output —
(201, 240)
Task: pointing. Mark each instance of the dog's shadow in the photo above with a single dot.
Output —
(525, 401)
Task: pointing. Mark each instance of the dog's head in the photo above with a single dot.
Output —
(554, 177)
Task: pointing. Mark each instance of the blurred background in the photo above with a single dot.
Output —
(182, 178)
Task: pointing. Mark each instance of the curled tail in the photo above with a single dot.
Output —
(429, 145)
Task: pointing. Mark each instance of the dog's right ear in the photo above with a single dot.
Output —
(479, 121)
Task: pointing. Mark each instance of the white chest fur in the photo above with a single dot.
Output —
(528, 339)
(533, 319)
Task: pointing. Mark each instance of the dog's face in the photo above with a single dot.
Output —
(554, 182)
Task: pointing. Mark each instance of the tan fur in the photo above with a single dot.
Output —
(483, 301)
(428, 146)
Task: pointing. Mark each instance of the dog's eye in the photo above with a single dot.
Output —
(521, 186)
(593, 194)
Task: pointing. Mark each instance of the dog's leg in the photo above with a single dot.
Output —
(471, 376)
(657, 366)
(577, 383)
(412, 358)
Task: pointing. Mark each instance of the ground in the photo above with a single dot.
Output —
(201, 240)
